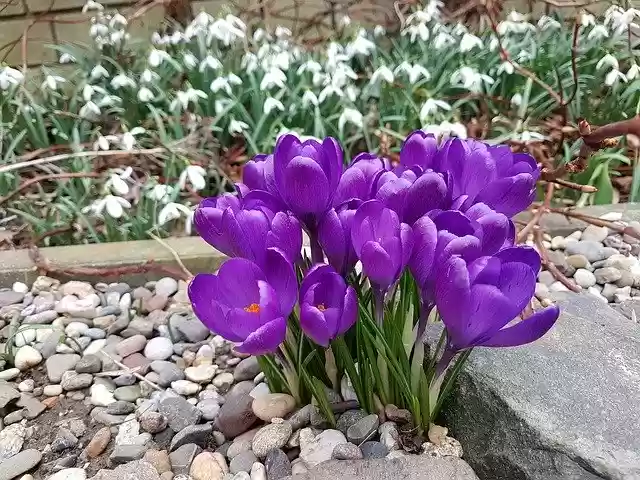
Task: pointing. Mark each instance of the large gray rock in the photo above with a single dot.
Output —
(410, 467)
(562, 408)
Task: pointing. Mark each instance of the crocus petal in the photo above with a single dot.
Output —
(314, 325)
(378, 265)
(426, 236)
(427, 193)
(282, 278)
(237, 285)
(349, 312)
(285, 234)
(305, 186)
(265, 339)
(522, 254)
(453, 295)
(526, 331)
(202, 290)
(419, 149)
(509, 195)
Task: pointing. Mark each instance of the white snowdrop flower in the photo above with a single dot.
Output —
(517, 17)
(118, 181)
(52, 82)
(228, 29)
(288, 131)
(98, 72)
(516, 100)
(470, 79)
(607, 61)
(88, 91)
(469, 42)
(273, 78)
(67, 58)
(382, 73)
(202, 19)
(413, 71)
(586, 19)
(149, 76)
(420, 31)
(221, 83)
(379, 31)
(351, 93)
(189, 60)
(234, 79)
(613, 77)
(113, 205)
(329, 91)
(236, 126)
(89, 110)
(184, 98)
(505, 67)
(282, 32)
(195, 175)
(345, 21)
(281, 60)
(109, 101)
(633, 72)
(528, 136)
(548, 23)
(92, 5)
(157, 57)
(309, 98)
(117, 21)
(509, 26)
(10, 77)
(350, 115)
(172, 211)
(432, 106)
(260, 34)
(270, 104)
(97, 30)
(145, 95)
(443, 40)
(128, 140)
(221, 105)
(104, 143)
(160, 192)
(446, 129)
(361, 45)
(209, 62)
(599, 32)
(122, 80)
(176, 38)
(249, 62)
(621, 20)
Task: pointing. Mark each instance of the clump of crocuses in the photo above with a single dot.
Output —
(392, 250)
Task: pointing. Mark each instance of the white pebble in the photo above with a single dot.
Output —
(25, 337)
(95, 346)
(612, 216)
(52, 390)
(76, 329)
(19, 287)
(101, 396)
(9, 374)
(558, 287)
(594, 291)
(558, 243)
(584, 278)
(577, 235)
(27, 385)
(27, 357)
(185, 387)
(159, 348)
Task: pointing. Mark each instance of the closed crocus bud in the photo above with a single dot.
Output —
(246, 227)
(382, 243)
(257, 174)
(357, 180)
(328, 307)
(419, 150)
(334, 235)
(245, 303)
(493, 175)
(307, 174)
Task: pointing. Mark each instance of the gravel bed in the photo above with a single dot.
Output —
(110, 382)
(601, 262)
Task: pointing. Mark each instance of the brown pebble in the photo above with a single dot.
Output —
(99, 442)
(159, 459)
(50, 402)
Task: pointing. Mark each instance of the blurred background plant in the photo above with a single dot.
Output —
(126, 145)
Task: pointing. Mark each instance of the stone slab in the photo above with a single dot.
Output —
(411, 467)
(566, 407)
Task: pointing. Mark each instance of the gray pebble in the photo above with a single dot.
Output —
(346, 451)
(242, 462)
(373, 450)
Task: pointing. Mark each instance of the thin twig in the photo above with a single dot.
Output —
(175, 255)
(129, 370)
(535, 220)
(551, 268)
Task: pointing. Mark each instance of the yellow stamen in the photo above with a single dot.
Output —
(321, 307)
(253, 308)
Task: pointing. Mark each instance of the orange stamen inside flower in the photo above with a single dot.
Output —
(253, 308)
(321, 307)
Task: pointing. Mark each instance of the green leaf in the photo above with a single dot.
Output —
(604, 195)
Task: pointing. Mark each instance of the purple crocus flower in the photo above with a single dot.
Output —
(334, 236)
(494, 175)
(478, 299)
(382, 243)
(420, 149)
(412, 193)
(306, 175)
(328, 307)
(246, 227)
(357, 180)
(245, 303)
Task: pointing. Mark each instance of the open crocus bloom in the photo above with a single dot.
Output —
(246, 304)
(328, 307)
